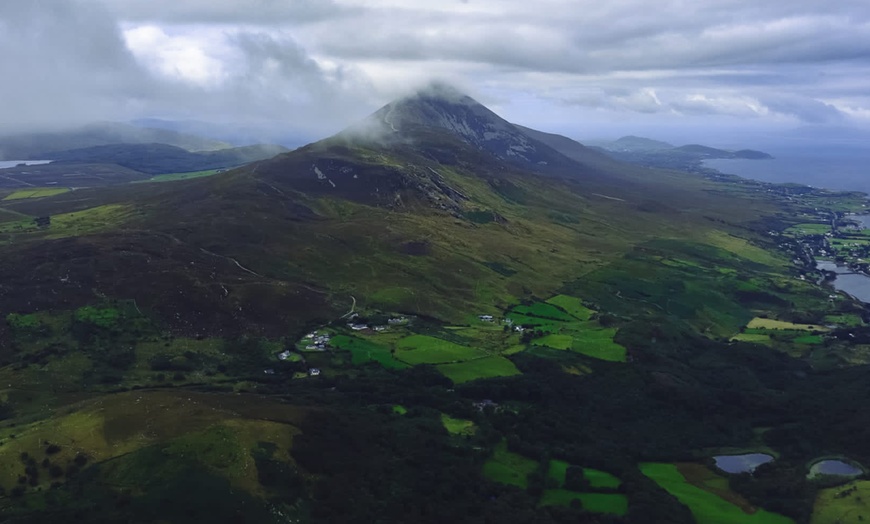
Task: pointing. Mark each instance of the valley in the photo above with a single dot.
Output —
(551, 335)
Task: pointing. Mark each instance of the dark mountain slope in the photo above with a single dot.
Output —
(412, 221)
(570, 148)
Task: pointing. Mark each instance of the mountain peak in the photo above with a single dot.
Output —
(442, 108)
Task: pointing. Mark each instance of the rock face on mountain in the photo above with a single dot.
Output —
(442, 107)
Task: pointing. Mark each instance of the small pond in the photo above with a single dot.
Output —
(745, 463)
(837, 468)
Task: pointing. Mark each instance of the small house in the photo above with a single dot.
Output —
(313, 372)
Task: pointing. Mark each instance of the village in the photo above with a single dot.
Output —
(323, 339)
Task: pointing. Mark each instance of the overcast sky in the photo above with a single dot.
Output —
(673, 69)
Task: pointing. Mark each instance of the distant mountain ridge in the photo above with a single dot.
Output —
(162, 158)
(655, 153)
(32, 145)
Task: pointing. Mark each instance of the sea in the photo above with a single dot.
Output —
(4, 164)
(839, 165)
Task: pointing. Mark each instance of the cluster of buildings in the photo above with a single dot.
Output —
(317, 341)
(360, 327)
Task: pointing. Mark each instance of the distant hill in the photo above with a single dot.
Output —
(157, 159)
(638, 143)
(35, 145)
(655, 153)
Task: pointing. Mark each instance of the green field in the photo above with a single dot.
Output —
(846, 504)
(37, 192)
(458, 426)
(423, 349)
(809, 229)
(506, 467)
(601, 479)
(706, 507)
(362, 351)
(85, 222)
(555, 341)
(598, 343)
(556, 470)
(610, 503)
(546, 324)
(487, 367)
(172, 177)
(542, 310)
(756, 338)
(597, 479)
(846, 319)
(572, 305)
(769, 323)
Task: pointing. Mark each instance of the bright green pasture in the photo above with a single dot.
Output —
(572, 305)
(488, 367)
(557, 470)
(363, 351)
(36, 192)
(555, 341)
(611, 503)
(846, 504)
(598, 343)
(601, 479)
(457, 426)
(423, 349)
(506, 467)
(706, 507)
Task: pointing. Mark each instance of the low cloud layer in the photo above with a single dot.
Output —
(310, 67)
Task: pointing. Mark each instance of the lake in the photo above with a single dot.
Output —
(838, 468)
(855, 284)
(745, 463)
(4, 164)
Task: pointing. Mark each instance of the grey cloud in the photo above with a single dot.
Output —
(261, 12)
(276, 86)
(807, 110)
(69, 64)
(65, 61)
(318, 65)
